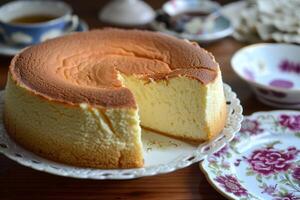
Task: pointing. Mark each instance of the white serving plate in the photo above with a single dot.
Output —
(162, 154)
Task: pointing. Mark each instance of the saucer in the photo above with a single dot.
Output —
(209, 27)
(262, 161)
(221, 28)
(8, 50)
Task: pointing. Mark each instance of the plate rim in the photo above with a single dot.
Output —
(206, 173)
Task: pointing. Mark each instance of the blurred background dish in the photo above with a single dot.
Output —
(9, 50)
(272, 20)
(232, 11)
(272, 71)
(193, 20)
(24, 23)
(126, 13)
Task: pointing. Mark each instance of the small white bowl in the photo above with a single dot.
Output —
(272, 71)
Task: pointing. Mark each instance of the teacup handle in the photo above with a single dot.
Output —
(74, 24)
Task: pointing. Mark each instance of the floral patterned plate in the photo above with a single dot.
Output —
(262, 161)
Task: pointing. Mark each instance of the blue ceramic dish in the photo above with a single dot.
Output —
(8, 50)
(28, 34)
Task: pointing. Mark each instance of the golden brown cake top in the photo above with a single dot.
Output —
(84, 67)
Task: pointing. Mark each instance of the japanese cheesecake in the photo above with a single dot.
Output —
(82, 99)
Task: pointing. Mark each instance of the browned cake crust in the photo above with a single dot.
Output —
(78, 157)
(57, 69)
(57, 146)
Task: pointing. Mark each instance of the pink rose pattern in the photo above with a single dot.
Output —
(296, 173)
(231, 185)
(269, 161)
(292, 122)
(289, 66)
(251, 126)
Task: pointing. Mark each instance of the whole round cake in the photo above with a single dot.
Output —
(82, 99)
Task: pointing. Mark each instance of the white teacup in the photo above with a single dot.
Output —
(61, 21)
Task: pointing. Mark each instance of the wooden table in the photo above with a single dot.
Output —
(18, 182)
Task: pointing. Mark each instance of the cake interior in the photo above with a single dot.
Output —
(176, 107)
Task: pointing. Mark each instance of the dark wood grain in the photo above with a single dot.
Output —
(18, 182)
